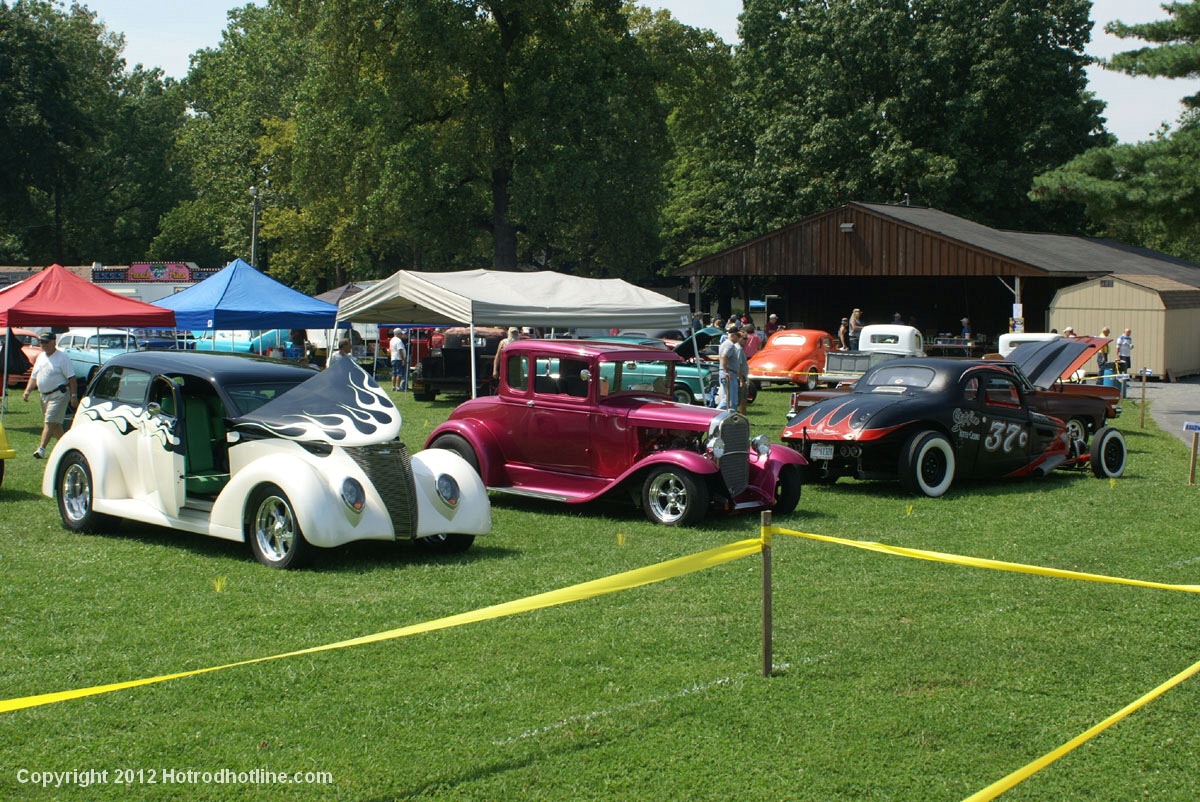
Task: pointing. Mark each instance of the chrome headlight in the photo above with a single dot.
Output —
(761, 444)
(447, 489)
(715, 446)
(353, 495)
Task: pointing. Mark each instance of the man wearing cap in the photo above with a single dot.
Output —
(514, 334)
(966, 335)
(54, 376)
(772, 324)
(732, 362)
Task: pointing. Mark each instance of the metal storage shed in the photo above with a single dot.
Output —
(1163, 314)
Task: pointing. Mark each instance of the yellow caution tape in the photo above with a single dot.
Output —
(586, 590)
(979, 562)
(995, 789)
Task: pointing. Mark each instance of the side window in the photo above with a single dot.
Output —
(517, 372)
(971, 389)
(570, 378)
(1001, 393)
(122, 385)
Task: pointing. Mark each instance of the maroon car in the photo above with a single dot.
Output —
(575, 420)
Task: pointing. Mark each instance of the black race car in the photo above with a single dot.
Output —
(929, 421)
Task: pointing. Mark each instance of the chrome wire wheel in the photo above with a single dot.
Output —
(75, 490)
(674, 497)
(277, 540)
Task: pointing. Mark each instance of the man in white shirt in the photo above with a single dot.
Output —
(54, 376)
(399, 356)
(345, 350)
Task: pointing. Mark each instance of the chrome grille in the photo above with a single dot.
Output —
(735, 464)
(388, 468)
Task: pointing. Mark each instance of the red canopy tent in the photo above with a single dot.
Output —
(57, 297)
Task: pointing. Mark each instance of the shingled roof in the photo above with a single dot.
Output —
(1056, 254)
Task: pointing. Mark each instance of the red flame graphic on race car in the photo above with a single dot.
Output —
(841, 419)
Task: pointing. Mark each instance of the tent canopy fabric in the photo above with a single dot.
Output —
(240, 297)
(57, 297)
(501, 298)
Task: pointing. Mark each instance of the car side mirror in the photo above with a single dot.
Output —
(585, 375)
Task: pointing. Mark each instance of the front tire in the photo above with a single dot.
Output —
(681, 394)
(1108, 453)
(811, 379)
(673, 497)
(1077, 430)
(272, 529)
(74, 490)
(787, 490)
(927, 464)
(446, 544)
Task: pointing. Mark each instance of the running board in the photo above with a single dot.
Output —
(542, 494)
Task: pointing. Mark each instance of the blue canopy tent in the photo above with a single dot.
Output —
(240, 297)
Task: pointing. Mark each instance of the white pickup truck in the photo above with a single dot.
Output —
(876, 343)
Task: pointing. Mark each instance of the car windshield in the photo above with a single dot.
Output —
(110, 340)
(888, 378)
(251, 396)
(791, 340)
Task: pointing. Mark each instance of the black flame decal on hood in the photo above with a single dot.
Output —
(341, 405)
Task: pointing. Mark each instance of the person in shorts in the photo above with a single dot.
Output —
(54, 376)
(399, 358)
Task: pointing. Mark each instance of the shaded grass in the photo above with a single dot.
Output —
(898, 679)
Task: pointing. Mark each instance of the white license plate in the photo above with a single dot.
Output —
(821, 451)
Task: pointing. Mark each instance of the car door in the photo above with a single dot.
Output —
(1006, 430)
(160, 452)
(558, 421)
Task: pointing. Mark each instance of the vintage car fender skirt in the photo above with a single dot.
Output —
(927, 464)
(272, 530)
(674, 497)
(1108, 453)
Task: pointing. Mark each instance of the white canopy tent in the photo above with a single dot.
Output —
(543, 298)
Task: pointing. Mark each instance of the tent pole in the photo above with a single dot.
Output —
(474, 383)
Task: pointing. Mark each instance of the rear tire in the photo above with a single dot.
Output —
(927, 464)
(1108, 453)
(811, 379)
(74, 491)
(460, 446)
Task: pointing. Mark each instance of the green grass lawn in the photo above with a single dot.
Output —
(897, 679)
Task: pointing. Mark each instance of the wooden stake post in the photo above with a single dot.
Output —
(765, 523)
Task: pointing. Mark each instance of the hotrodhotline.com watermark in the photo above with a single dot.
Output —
(167, 776)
